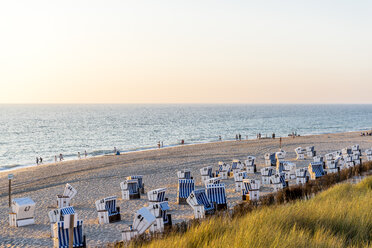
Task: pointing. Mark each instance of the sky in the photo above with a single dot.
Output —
(195, 51)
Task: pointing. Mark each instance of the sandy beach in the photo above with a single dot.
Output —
(99, 177)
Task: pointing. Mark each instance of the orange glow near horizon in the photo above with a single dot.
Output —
(190, 52)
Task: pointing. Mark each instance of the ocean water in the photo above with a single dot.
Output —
(27, 131)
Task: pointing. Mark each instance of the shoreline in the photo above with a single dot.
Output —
(136, 150)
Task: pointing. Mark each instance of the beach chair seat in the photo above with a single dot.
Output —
(107, 210)
(185, 187)
(130, 189)
(184, 174)
(251, 190)
(23, 212)
(141, 185)
(157, 195)
(266, 173)
(278, 181)
(316, 170)
(217, 195)
(143, 220)
(270, 159)
(198, 200)
(62, 236)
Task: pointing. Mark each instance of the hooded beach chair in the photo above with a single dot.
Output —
(236, 166)
(130, 189)
(251, 190)
(251, 165)
(280, 155)
(310, 152)
(64, 200)
(185, 187)
(217, 195)
(143, 220)
(184, 174)
(278, 181)
(200, 203)
(266, 174)
(23, 212)
(300, 152)
(107, 210)
(206, 173)
(368, 153)
(301, 176)
(62, 234)
(157, 195)
(57, 215)
(141, 185)
(163, 219)
(316, 170)
(270, 159)
(238, 178)
(223, 170)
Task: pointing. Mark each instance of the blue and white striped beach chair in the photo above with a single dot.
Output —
(278, 181)
(107, 210)
(185, 187)
(251, 189)
(217, 195)
(316, 170)
(130, 189)
(157, 195)
(266, 174)
(270, 159)
(141, 185)
(198, 200)
(62, 236)
(238, 178)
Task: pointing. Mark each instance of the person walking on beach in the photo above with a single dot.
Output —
(240, 137)
(78, 155)
(236, 137)
(60, 157)
(115, 150)
(85, 153)
(37, 160)
(162, 144)
(159, 144)
(41, 160)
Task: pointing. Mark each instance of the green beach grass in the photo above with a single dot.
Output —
(338, 217)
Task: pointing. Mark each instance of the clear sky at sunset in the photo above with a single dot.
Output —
(185, 51)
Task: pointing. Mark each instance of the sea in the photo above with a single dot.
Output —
(30, 131)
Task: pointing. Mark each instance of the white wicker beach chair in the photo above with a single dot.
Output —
(142, 221)
(199, 201)
(130, 189)
(23, 212)
(251, 190)
(251, 165)
(184, 174)
(266, 174)
(278, 181)
(301, 176)
(107, 210)
(64, 200)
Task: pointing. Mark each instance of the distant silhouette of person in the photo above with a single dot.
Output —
(55, 158)
(60, 157)
(37, 160)
(115, 150)
(236, 137)
(78, 155)
(41, 160)
(85, 153)
(159, 144)
(240, 137)
(220, 138)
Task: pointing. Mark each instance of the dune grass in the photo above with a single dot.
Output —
(338, 217)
